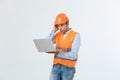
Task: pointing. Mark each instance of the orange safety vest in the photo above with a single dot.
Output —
(64, 45)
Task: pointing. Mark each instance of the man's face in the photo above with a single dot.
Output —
(63, 27)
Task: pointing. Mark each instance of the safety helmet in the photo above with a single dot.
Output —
(61, 18)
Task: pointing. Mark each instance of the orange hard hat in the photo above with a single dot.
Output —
(61, 19)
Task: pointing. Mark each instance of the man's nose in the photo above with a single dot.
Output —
(60, 27)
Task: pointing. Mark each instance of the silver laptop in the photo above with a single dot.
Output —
(44, 45)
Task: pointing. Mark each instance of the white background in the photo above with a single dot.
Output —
(98, 22)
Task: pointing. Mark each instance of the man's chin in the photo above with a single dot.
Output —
(62, 32)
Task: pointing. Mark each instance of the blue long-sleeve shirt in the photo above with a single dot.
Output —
(74, 50)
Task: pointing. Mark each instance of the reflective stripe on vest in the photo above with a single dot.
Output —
(63, 49)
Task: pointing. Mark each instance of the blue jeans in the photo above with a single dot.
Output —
(61, 72)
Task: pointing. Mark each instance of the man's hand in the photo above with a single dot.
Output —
(52, 52)
(55, 29)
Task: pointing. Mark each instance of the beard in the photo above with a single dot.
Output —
(62, 31)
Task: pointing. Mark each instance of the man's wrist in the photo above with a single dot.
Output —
(53, 31)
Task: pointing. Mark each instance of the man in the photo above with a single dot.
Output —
(67, 45)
